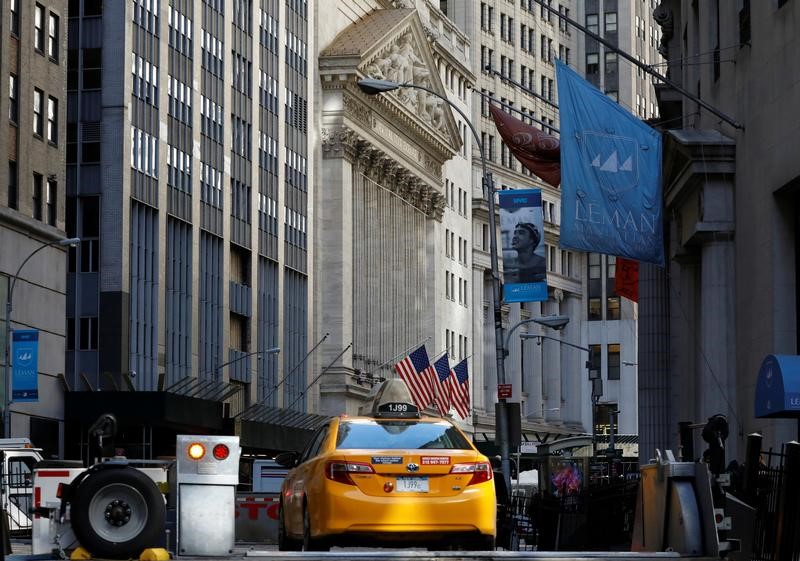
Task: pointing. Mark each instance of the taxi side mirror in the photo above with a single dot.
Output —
(287, 459)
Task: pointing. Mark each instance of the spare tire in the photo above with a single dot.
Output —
(118, 512)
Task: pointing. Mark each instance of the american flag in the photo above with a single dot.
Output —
(460, 393)
(416, 371)
(443, 386)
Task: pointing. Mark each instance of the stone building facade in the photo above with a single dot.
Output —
(729, 293)
(33, 63)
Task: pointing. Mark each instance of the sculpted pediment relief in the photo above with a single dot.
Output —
(402, 62)
(392, 44)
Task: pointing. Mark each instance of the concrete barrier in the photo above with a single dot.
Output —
(257, 517)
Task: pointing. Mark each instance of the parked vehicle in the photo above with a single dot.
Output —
(392, 477)
(19, 457)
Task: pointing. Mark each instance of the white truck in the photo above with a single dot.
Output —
(19, 457)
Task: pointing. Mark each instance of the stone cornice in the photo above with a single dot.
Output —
(383, 169)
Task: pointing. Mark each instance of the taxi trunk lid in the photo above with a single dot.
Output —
(444, 473)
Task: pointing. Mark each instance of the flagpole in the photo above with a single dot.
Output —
(314, 381)
(401, 353)
(646, 67)
(371, 86)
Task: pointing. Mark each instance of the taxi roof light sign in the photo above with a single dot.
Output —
(394, 400)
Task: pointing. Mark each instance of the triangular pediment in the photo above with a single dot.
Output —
(391, 44)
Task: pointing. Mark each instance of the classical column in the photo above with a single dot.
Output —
(335, 254)
(717, 315)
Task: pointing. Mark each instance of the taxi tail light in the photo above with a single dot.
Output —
(340, 471)
(481, 471)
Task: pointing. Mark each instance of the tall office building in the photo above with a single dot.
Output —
(33, 71)
(189, 184)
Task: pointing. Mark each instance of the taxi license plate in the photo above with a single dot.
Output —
(412, 484)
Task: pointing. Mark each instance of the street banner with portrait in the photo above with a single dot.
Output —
(25, 357)
(522, 235)
(610, 175)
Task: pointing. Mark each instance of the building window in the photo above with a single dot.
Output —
(595, 287)
(52, 201)
(13, 185)
(611, 22)
(13, 98)
(15, 17)
(52, 120)
(38, 100)
(38, 28)
(612, 299)
(592, 23)
(613, 362)
(611, 63)
(38, 186)
(88, 334)
(52, 37)
(92, 69)
(592, 63)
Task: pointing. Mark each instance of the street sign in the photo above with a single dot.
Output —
(528, 447)
(504, 391)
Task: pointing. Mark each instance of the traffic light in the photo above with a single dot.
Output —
(593, 364)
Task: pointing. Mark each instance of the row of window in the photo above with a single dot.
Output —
(144, 152)
(39, 117)
(41, 19)
(180, 100)
(145, 79)
(456, 197)
(455, 354)
(179, 169)
(44, 195)
(450, 291)
(145, 15)
(612, 360)
(595, 293)
(180, 32)
(450, 247)
(610, 22)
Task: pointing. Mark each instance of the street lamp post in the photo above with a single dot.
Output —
(372, 86)
(589, 362)
(67, 242)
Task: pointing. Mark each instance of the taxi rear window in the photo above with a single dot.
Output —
(399, 435)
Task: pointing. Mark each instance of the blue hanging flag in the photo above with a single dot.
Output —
(610, 175)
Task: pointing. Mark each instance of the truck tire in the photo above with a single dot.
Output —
(118, 512)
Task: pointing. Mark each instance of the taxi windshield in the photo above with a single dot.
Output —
(399, 435)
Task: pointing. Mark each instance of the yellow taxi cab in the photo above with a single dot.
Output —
(392, 477)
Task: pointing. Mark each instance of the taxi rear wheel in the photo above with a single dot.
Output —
(285, 543)
(310, 543)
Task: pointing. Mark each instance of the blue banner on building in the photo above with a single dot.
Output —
(610, 175)
(522, 242)
(25, 361)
